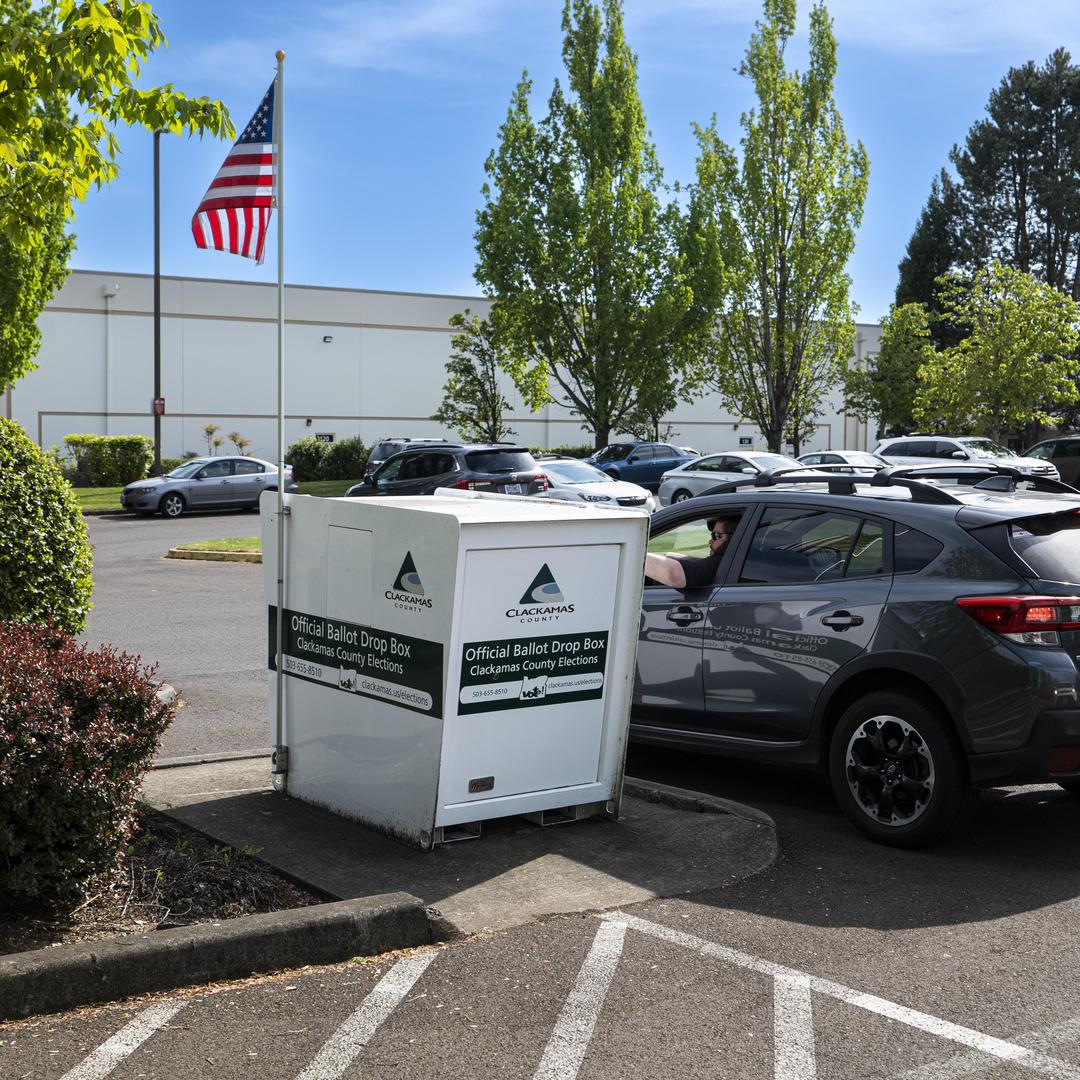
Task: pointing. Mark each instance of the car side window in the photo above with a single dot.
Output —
(712, 464)
(899, 449)
(812, 459)
(913, 550)
(216, 469)
(247, 468)
(1065, 449)
(945, 449)
(803, 546)
(390, 472)
(921, 448)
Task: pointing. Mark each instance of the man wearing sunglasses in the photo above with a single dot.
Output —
(690, 571)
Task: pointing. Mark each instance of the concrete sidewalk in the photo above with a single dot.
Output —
(383, 895)
(666, 843)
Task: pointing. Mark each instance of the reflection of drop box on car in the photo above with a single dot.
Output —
(454, 658)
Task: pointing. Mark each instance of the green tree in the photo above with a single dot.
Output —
(576, 247)
(1016, 361)
(783, 225)
(884, 391)
(473, 404)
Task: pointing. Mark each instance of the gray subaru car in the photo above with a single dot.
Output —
(914, 635)
(205, 483)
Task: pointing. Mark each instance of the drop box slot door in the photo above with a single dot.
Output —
(532, 669)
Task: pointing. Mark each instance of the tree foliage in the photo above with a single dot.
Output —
(88, 56)
(576, 247)
(774, 234)
(473, 404)
(1017, 357)
(885, 390)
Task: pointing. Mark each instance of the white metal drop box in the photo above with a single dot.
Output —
(452, 659)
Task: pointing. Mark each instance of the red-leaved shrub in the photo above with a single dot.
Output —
(78, 729)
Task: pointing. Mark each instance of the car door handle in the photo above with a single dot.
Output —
(842, 620)
(684, 616)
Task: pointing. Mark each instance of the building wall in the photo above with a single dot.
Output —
(381, 373)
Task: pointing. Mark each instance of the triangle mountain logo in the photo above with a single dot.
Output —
(544, 589)
(408, 580)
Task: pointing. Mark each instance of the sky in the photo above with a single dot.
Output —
(392, 106)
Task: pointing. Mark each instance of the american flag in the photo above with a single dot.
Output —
(235, 211)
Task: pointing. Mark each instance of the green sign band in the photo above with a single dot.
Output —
(404, 671)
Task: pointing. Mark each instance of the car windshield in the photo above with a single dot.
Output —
(1049, 544)
(189, 468)
(988, 448)
(494, 461)
(775, 461)
(615, 452)
(574, 472)
(857, 457)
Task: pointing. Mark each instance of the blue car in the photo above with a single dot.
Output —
(640, 462)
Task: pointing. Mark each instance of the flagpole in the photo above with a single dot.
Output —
(281, 759)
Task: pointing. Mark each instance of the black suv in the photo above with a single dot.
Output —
(494, 467)
(913, 634)
(394, 444)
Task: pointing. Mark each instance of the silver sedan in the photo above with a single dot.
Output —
(698, 476)
(205, 483)
(578, 481)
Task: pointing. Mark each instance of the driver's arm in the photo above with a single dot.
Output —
(666, 570)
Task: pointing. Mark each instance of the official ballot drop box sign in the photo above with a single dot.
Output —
(448, 660)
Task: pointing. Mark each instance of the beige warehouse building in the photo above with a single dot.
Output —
(358, 362)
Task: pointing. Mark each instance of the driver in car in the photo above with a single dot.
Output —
(691, 571)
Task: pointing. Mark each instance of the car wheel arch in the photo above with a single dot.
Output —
(915, 676)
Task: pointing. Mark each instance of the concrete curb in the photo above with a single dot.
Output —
(697, 801)
(214, 556)
(101, 513)
(67, 976)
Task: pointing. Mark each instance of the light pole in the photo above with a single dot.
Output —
(156, 407)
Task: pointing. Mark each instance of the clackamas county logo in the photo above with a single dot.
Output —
(542, 601)
(407, 592)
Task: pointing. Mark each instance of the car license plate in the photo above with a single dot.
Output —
(513, 489)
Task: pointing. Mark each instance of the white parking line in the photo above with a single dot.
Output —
(793, 1029)
(126, 1041)
(933, 1025)
(566, 1048)
(975, 1063)
(353, 1035)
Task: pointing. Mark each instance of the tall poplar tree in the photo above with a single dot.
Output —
(782, 223)
(576, 246)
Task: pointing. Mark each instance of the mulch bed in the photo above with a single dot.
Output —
(170, 876)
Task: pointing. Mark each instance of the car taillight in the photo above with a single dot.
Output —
(544, 482)
(473, 485)
(1029, 620)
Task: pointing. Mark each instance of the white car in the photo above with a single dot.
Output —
(698, 476)
(573, 480)
(846, 461)
(946, 450)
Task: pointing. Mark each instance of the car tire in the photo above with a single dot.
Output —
(898, 772)
(681, 496)
(172, 505)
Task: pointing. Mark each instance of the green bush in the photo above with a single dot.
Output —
(308, 458)
(565, 451)
(77, 731)
(170, 463)
(110, 460)
(45, 557)
(346, 460)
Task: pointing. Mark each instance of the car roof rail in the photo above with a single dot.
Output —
(843, 485)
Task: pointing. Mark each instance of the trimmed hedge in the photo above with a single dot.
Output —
(45, 556)
(110, 460)
(312, 459)
(565, 451)
(78, 729)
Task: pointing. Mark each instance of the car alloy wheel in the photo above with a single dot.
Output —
(173, 505)
(890, 770)
(680, 496)
(898, 771)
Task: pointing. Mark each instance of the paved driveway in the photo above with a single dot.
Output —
(202, 623)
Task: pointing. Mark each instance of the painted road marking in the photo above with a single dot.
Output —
(932, 1025)
(793, 1029)
(574, 1029)
(126, 1041)
(342, 1048)
(975, 1064)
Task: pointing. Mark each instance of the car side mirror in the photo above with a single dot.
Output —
(959, 454)
(199, 476)
(369, 479)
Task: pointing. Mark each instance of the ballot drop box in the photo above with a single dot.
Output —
(452, 659)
